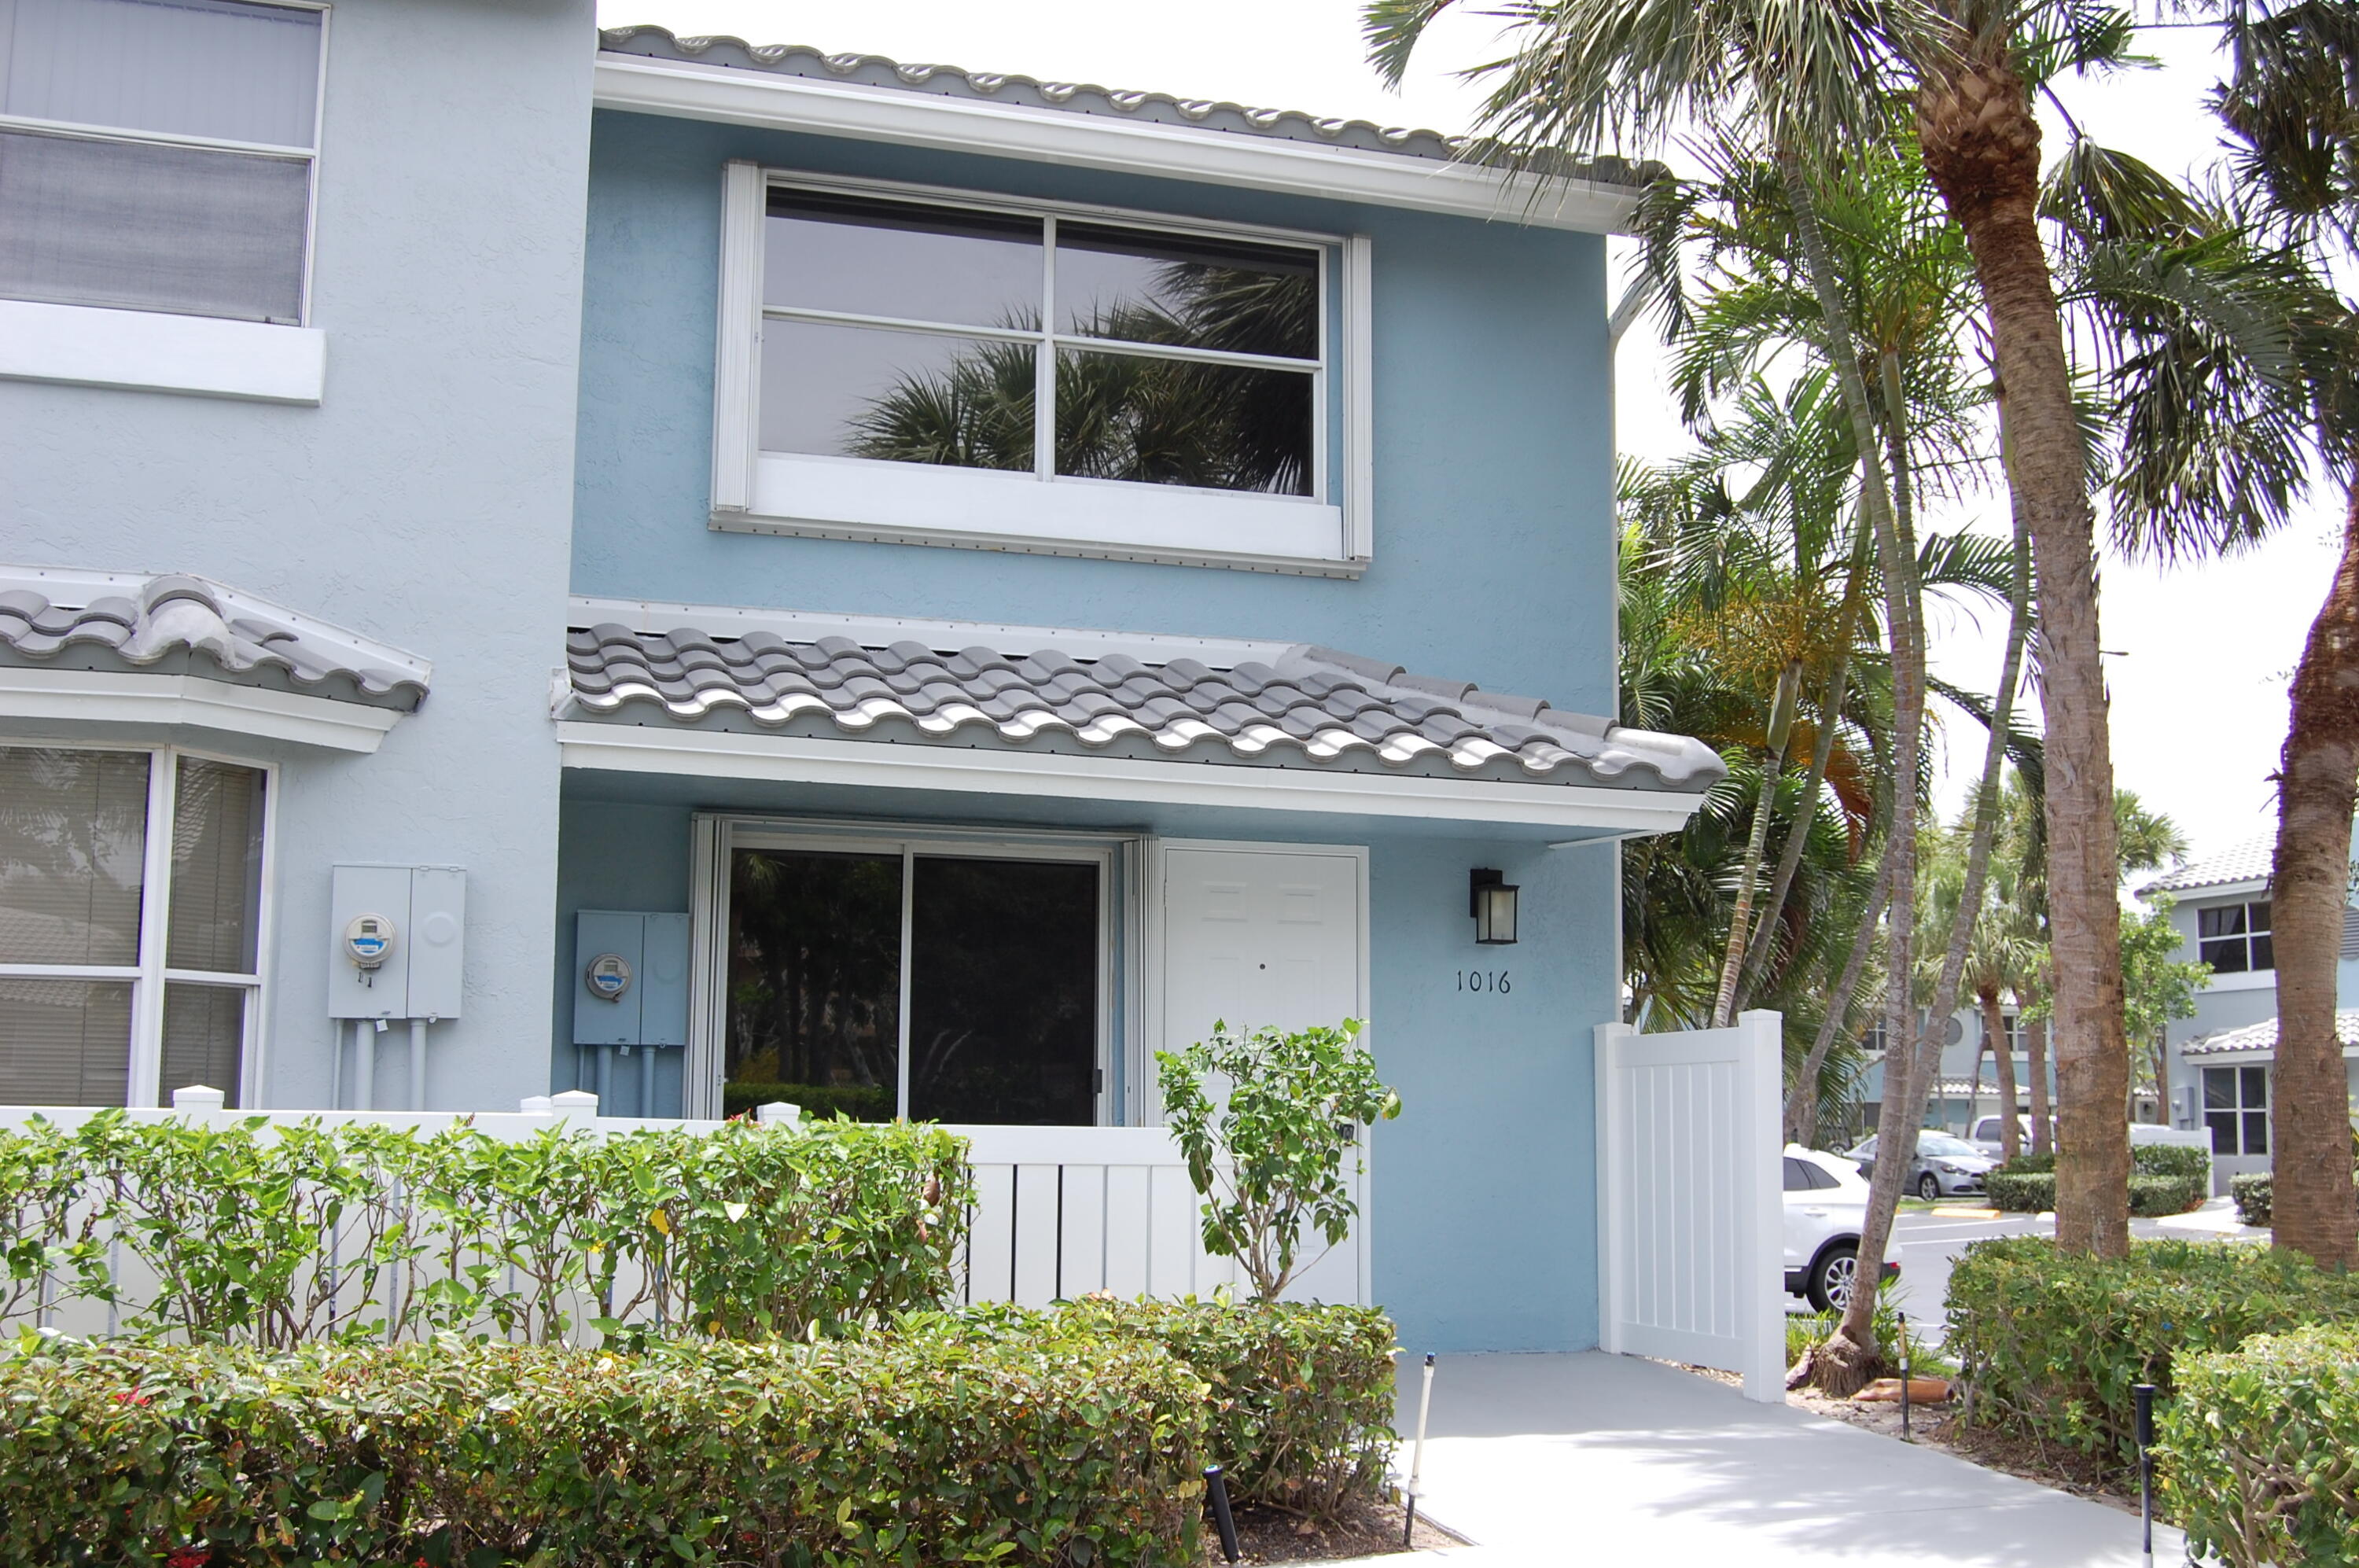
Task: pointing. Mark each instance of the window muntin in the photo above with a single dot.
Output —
(952, 983)
(2233, 938)
(131, 910)
(157, 155)
(2236, 1109)
(1172, 360)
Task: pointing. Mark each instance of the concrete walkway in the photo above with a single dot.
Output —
(1564, 1459)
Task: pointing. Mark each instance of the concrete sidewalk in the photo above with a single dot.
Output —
(1561, 1459)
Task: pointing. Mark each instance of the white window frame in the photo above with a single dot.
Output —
(2240, 1109)
(2246, 936)
(151, 975)
(716, 840)
(1323, 534)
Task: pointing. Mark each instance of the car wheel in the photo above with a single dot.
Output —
(1832, 1276)
(1929, 1186)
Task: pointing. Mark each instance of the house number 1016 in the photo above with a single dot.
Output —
(1484, 980)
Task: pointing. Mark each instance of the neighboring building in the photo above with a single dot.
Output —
(1958, 1096)
(2219, 1059)
(846, 560)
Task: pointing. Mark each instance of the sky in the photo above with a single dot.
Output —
(2200, 656)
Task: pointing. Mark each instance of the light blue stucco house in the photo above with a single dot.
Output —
(2219, 1061)
(552, 561)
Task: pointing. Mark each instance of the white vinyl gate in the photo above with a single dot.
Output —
(1689, 1173)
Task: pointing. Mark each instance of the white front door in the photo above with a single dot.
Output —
(1255, 936)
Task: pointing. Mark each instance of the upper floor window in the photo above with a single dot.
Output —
(157, 155)
(2234, 938)
(933, 367)
(131, 910)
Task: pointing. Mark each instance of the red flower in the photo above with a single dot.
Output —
(132, 1397)
(189, 1556)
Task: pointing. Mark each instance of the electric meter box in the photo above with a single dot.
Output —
(651, 1008)
(419, 970)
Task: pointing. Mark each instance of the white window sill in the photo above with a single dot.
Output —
(147, 351)
(831, 497)
(2244, 980)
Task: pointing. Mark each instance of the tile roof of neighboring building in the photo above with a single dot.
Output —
(2263, 1036)
(1079, 98)
(1304, 707)
(177, 624)
(2245, 862)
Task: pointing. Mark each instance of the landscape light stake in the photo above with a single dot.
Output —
(2143, 1394)
(1417, 1460)
(1218, 1486)
(1904, 1380)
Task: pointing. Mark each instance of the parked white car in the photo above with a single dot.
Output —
(1983, 1133)
(1826, 1209)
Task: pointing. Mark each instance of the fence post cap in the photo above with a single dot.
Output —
(534, 1106)
(574, 1104)
(199, 1097)
(778, 1113)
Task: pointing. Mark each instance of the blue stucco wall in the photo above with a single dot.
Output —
(1493, 435)
(427, 501)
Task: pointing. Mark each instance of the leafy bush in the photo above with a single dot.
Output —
(2253, 1192)
(2165, 1179)
(1275, 1138)
(283, 1237)
(2051, 1344)
(1302, 1393)
(1055, 1448)
(2021, 1192)
(2260, 1452)
(2171, 1160)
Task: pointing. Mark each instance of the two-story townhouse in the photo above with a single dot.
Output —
(2219, 1061)
(897, 590)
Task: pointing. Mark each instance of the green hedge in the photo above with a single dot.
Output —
(1058, 1447)
(742, 1231)
(2049, 1343)
(2254, 1193)
(2260, 1452)
(1301, 1393)
(2165, 1179)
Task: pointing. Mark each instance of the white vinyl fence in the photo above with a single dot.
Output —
(1059, 1213)
(1688, 1167)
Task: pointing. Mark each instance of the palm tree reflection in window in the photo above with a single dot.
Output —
(1125, 415)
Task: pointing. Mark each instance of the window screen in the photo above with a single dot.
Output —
(94, 210)
(73, 846)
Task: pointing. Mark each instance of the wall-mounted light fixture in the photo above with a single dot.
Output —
(1491, 900)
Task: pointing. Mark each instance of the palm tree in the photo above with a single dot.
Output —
(1818, 75)
(2224, 421)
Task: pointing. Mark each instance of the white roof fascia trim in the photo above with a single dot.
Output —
(798, 759)
(134, 700)
(2210, 890)
(733, 95)
(946, 636)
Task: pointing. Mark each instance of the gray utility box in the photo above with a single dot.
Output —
(653, 1008)
(423, 967)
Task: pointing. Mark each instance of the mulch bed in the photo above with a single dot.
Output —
(1366, 1530)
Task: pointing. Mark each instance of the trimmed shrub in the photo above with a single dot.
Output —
(2051, 1344)
(2171, 1160)
(304, 1234)
(2165, 1179)
(2020, 1192)
(1301, 1393)
(2260, 1452)
(2253, 1192)
(1055, 1447)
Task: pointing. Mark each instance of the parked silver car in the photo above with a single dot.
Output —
(1945, 1166)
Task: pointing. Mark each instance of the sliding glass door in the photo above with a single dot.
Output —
(938, 981)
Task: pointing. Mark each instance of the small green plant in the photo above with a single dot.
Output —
(2258, 1457)
(1266, 1121)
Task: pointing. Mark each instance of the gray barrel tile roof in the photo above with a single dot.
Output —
(178, 624)
(1310, 707)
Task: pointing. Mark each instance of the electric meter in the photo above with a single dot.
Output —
(368, 940)
(607, 977)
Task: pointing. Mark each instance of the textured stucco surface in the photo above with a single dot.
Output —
(426, 501)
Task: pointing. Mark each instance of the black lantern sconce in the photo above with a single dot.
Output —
(1491, 900)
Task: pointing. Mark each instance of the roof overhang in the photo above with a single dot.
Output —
(731, 96)
(667, 748)
(95, 703)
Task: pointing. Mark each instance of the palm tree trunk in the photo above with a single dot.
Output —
(2010, 1133)
(1986, 792)
(1981, 142)
(1723, 1004)
(1850, 1354)
(2315, 1211)
(1803, 1099)
(2043, 1120)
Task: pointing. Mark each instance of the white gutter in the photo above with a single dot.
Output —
(737, 97)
